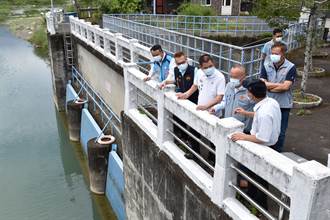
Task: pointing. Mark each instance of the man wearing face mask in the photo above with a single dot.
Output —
(163, 64)
(265, 130)
(236, 96)
(279, 75)
(183, 78)
(277, 37)
(209, 82)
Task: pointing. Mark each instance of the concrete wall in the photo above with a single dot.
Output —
(58, 69)
(155, 186)
(105, 77)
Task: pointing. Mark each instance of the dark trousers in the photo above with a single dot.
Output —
(284, 125)
(185, 137)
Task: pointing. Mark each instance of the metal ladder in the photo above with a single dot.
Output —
(68, 51)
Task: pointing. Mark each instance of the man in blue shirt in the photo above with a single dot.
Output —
(277, 37)
(279, 75)
(163, 64)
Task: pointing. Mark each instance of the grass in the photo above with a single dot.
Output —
(40, 41)
(307, 98)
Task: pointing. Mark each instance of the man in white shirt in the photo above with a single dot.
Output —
(209, 81)
(266, 123)
(265, 130)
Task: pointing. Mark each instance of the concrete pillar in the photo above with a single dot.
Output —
(119, 49)
(223, 173)
(310, 192)
(130, 93)
(163, 121)
(58, 69)
(106, 42)
(134, 56)
(74, 109)
(98, 154)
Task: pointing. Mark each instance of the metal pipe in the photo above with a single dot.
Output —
(148, 113)
(191, 135)
(191, 150)
(277, 200)
(262, 210)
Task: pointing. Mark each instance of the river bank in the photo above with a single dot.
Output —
(32, 29)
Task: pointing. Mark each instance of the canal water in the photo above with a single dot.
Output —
(42, 173)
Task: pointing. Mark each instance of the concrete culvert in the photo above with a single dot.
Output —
(98, 153)
(74, 109)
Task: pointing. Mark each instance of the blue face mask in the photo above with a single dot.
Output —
(235, 82)
(157, 58)
(209, 71)
(275, 58)
(182, 68)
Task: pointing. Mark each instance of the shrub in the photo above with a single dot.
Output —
(195, 10)
(119, 6)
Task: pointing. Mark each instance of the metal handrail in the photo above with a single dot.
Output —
(191, 150)
(191, 135)
(83, 83)
(248, 198)
(260, 187)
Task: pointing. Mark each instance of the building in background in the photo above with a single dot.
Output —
(222, 7)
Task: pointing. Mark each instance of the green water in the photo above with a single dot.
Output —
(42, 174)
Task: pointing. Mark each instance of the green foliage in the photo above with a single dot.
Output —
(119, 6)
(40, 41)
(4, 12)
(278, 12)
(195, 10)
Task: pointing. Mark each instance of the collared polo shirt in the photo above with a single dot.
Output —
(266, 123)
(209, 87)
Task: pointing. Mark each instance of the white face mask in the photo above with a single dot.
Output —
(182, 67)
(209, 71)
(157, 58)
(278, 39)
(235, 82)
(275, 58)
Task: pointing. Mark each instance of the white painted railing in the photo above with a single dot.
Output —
(306, 184)
(53, 19)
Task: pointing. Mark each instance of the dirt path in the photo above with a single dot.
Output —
(309, 135)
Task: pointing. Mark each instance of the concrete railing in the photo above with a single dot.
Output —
(53, 19)
(306, 184)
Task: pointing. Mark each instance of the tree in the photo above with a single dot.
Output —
(280, 12)
(119, 6)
